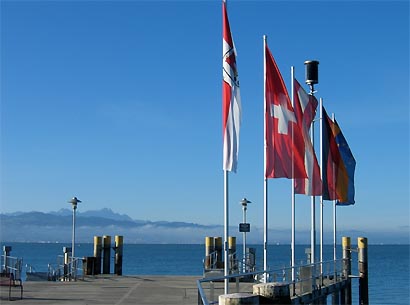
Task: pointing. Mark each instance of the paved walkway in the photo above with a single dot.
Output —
(110, 289)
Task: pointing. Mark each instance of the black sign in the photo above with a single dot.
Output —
(244, 227)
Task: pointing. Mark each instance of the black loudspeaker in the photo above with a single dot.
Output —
(312, 76)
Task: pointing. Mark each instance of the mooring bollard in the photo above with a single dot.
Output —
(107, 253)
(346, 293)
(218, 250)
(238, 299)
(232, 253)
(97, 254)
(209, 248)
(118, 255)
(273, 293)
(363, 271)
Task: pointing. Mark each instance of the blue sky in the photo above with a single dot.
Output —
(119, 104)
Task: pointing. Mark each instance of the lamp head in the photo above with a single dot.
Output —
(244, 202)
(74, 201)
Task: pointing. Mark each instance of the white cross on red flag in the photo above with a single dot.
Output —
(283, 137)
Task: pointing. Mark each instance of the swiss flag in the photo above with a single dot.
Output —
(280, 127)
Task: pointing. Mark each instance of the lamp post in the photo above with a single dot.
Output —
(244, 227)
(74, 201)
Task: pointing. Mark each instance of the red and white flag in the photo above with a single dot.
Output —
(280, 126)
(305, 106)
(231, 101)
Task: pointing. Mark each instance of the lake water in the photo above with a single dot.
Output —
(389, 274)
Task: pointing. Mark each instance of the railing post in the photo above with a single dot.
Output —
(6, 252)
(346, 293)
(363, 271)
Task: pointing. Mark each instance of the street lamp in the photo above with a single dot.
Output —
(244, 227)
(74, 201)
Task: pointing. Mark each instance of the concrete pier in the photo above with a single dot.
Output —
(112, 290)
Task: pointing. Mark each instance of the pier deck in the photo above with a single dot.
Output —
(110, 289)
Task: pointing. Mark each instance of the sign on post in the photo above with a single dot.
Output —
(244, 227)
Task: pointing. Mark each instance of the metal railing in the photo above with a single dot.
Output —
(308, 277)
(235, 265)
(33, 275)
(69, 271)
(12, 265)
(212, 261)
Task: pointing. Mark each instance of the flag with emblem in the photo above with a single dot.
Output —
(284, 145)
(305, 106)
(334, 174)
(231, 102)
(349, 162)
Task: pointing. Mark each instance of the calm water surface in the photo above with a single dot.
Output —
(389, 274)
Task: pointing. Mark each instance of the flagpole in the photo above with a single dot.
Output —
(265, 184)
(321, 208)
(226, 232)
(292, 73)
(334, 216)
(226, 225)
(265, 228)
(334, 230)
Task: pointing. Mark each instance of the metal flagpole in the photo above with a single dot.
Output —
(321, 215)
(312, 213)
(321, 173)
(265, 184)
(292, 73)
(226, 223)
(334, 230)
(226, 232)
(265, 228)
(334, 216)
